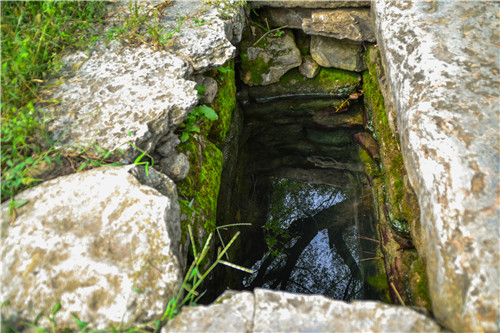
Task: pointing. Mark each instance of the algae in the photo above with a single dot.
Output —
(398, 210)
(224, 104)
(199, 191)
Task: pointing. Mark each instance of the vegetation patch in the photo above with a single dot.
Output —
(224, 103)
(398, 210)
(33, 36)
(198, 193)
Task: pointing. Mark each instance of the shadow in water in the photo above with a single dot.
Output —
(313, 242)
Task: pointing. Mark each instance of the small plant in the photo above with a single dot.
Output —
(226, 8)
(276, 32)
(194, 276)
(138, 28)
(99, 159)
(225, 70)
(33, 34)
(138, 160)
(195, 118)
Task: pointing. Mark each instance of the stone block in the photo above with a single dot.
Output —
(99, 242)
(330, 52)
(441, 62)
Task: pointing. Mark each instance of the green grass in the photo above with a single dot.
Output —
(33, 35)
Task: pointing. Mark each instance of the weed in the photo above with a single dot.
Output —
(194, 119)
(138, 28)
(228, 8)
(33, 34)
(194, 276)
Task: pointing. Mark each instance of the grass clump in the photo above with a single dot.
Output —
(33, 35)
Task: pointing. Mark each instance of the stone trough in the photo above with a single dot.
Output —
(110, 244)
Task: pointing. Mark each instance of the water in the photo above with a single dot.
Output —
(312, 242)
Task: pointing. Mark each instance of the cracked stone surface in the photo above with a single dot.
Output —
(442, 64)
(116, 94)
(275, 311)
(99, 242)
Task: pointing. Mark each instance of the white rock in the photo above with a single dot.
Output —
(442, 65)
(99, 242)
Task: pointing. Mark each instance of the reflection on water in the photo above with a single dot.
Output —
(312, 239)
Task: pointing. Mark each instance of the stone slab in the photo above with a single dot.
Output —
(99, 242)
(355, 24)
(330, 52)
(231, 312)
(442, 64)
(118, 96)
(275, 311)
(311, 4)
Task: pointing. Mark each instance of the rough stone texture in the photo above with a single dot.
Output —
(205, 46)
(119, 94)
(352, 24)
(267, 61)
(88, 240)
(210, 84)
(329, 82)
(231, 312)
(441, 60)
(118, 90)
(273, 311)
(167, 144)
(311, 4)
(309, 68)
(176, 166)
(329, 52)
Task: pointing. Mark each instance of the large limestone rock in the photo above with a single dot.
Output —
(354, 24)
(274, 311)
(265, 60)
(442, 64)
(118, 94)
(330, 52)
(99, 242)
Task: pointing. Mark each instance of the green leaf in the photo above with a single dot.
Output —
(208, 112)
(184, 137)
(223, 70)
(137, 290)
(79, 323)
(195, 129)
(201, 89)
(56, 308)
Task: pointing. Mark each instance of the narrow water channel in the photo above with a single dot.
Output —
(300, 189)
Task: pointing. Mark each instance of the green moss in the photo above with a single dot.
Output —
(371, 166)
(256, 68)
(338, 77)
(417, 281)
(224, 104)
(200, 190)
(392, 161)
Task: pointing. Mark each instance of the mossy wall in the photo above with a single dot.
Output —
(198, 193)
(396, 204)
